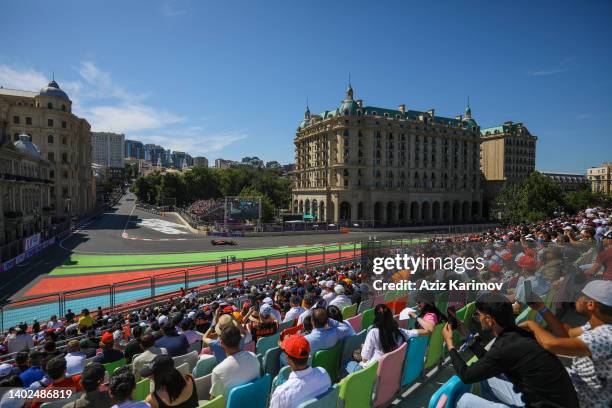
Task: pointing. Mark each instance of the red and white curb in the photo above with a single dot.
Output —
(125, 235)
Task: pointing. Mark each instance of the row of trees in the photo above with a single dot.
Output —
(538, 197)
(201, 183)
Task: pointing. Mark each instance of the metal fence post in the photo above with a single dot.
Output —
(152, 287)
(216, 273)
(227, 270)
(354, 250)
(323, 254)
(286, 260)
(186, 279)
(306, 260)
(242, 269)
(266, 265)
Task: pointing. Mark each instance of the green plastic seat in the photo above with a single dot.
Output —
(218, 402)
(356, 389)
(329, 359)
(368, 318)
(271, 361)
(142, 389)
(111, 367)
(435, 348)
(442, 302)
(349, 311)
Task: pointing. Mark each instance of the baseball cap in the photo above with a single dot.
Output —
(161, 362)
(107, 338)
(268, 301)
(600, 291)
(5, 369)
(339, 289)
(162, 320)
(224, 321)
(330, 284)
(265, 310)
(296, 346)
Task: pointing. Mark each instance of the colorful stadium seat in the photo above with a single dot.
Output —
(415, 354)
(218, 402)
(203, 385)
(449, 393)
(271, 361)
(356, 388)
(350, 344)
(266, 343)
(435, 349)
(282, 376)
(204, 366)
(367, 318)
(142, 389)
(111, 367)
(364, 305)
(253, 395)
(326, 400)
(190, 358)
(389, 375)
(349, 311)
(355, 322)
(329, 359)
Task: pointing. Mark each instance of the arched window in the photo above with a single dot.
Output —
(50, 139)
(64, 107)
(49, 105)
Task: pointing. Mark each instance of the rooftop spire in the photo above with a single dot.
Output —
(468, 110)
(349, 90)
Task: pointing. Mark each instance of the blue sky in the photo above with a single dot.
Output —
(230, 79)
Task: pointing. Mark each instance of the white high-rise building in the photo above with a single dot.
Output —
(108, 149)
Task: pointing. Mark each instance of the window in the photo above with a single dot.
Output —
(65, 158)
(64, 125)
(64, 107)
(64, 140)
(49, 105)
(51, 156)
(50, 139)
(28, 120)
(16, 120)
(50, 122)
(51, 174)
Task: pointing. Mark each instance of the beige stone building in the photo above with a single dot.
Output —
(24, 193)
(507, 152)
(366, 164)
(63, 139)
(601, 178)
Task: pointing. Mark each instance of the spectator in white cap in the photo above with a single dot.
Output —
(277, 314)
(341, 300)
(328, 291)
(590, 345)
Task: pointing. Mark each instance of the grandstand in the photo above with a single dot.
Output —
(399, 377)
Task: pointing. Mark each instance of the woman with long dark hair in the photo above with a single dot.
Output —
(172, 389)
(384, 337)
(427, 315)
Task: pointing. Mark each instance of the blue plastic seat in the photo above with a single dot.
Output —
(271, 361)
(266, 343)
(415, 356)
(350, 344)
(326, 400)
(253, 395)
(450, 391)
(282, 376)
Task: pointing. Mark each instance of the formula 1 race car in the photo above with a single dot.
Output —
(223, 242)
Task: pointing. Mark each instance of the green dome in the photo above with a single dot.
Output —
(470, 123)
(348, 107)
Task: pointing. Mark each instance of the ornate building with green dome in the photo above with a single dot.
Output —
(63, 138)
(360, 164)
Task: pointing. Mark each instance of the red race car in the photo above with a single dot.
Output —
(223, 242)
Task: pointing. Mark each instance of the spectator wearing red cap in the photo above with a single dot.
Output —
(304, 382)
(539, 285)
(109, 353)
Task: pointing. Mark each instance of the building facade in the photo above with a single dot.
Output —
(134, 149)
(62, 138)
(508, 152)
(25, 186)
(601, 178)
(108, 149)
(569, 181)
(200, 161)
(362, 163)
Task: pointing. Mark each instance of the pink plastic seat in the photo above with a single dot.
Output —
(355, 322)
(389, 374)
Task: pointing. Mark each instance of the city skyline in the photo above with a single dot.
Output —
(240, 89)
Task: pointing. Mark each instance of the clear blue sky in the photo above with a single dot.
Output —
(230, 78)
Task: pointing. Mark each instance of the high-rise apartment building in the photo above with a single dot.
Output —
(134, 149)
(601, 178)
(200, 161)
(108, 149)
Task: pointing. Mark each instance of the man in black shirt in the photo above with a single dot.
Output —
(533, 376)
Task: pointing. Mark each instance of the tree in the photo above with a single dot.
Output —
(537, 197)
(267, 206)
(172, 186)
